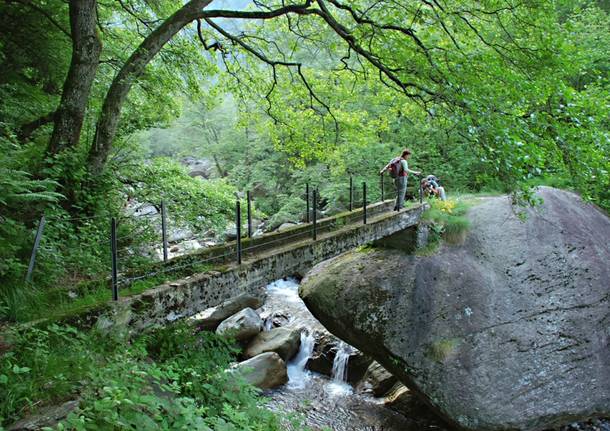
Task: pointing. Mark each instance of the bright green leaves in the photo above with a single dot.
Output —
(191, 202)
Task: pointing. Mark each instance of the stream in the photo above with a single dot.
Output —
(323, 402)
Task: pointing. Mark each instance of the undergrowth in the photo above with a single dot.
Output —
(30, 302)
(171, 378)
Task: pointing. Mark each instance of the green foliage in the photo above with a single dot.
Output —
(447, 220)
(168, 379)
(191, 202)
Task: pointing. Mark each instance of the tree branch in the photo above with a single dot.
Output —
(44, 13)
(27, 129)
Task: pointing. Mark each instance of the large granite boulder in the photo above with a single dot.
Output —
(211, 318)
(265, 371)
(283, 341)
(242, 326)
(509, 330)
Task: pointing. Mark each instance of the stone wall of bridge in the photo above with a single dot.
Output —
(182, 298)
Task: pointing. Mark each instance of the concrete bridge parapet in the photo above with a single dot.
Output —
(193, 294)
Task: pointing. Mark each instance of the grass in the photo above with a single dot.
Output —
(447, 221)
(442, 349)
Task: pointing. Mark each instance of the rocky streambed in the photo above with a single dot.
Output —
(329, 400)
(326, 383)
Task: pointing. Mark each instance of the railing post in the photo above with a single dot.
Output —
(238, 229)
(364, 202)
(113, 250)
(307, 199)
(421, 192)
(249, 213)
(315, 214)
(41, 224)
(351, 193)
(164, 231)
(382, 191)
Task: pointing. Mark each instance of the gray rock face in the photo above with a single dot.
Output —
(283, 341)
(45, 417)
(242, 326)
(211, 318)
(265, 371)
(509, 330)
(203, 168)
(286, 226)
(230, 233)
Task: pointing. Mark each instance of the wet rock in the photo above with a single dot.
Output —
(136, 209)
(265, 371)
(323, 357)
(357, 365)
(190, 245)
(377, 380)
(400, 399)
(241, 326)
(176, 235)
(397, 395)
(45, 417)
(508, 330)
(283, 341)
(276, 320)
(209, 319)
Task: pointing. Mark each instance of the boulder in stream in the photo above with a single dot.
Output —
(283, 341)
(242, 326)
(509, 330)
(267, 370)
(209, 319)
(377, 380)
(324, 354)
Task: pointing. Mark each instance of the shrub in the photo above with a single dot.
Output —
(171, 378)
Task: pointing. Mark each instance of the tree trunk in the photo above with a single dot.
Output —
(117, 93)
(86, 49)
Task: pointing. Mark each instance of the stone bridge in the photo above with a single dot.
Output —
(265, 259)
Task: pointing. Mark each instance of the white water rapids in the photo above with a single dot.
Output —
(324, 402)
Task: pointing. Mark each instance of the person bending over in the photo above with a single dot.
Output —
(431, 187)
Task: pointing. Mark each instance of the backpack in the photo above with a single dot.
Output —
(395, 167)
(432, 179)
